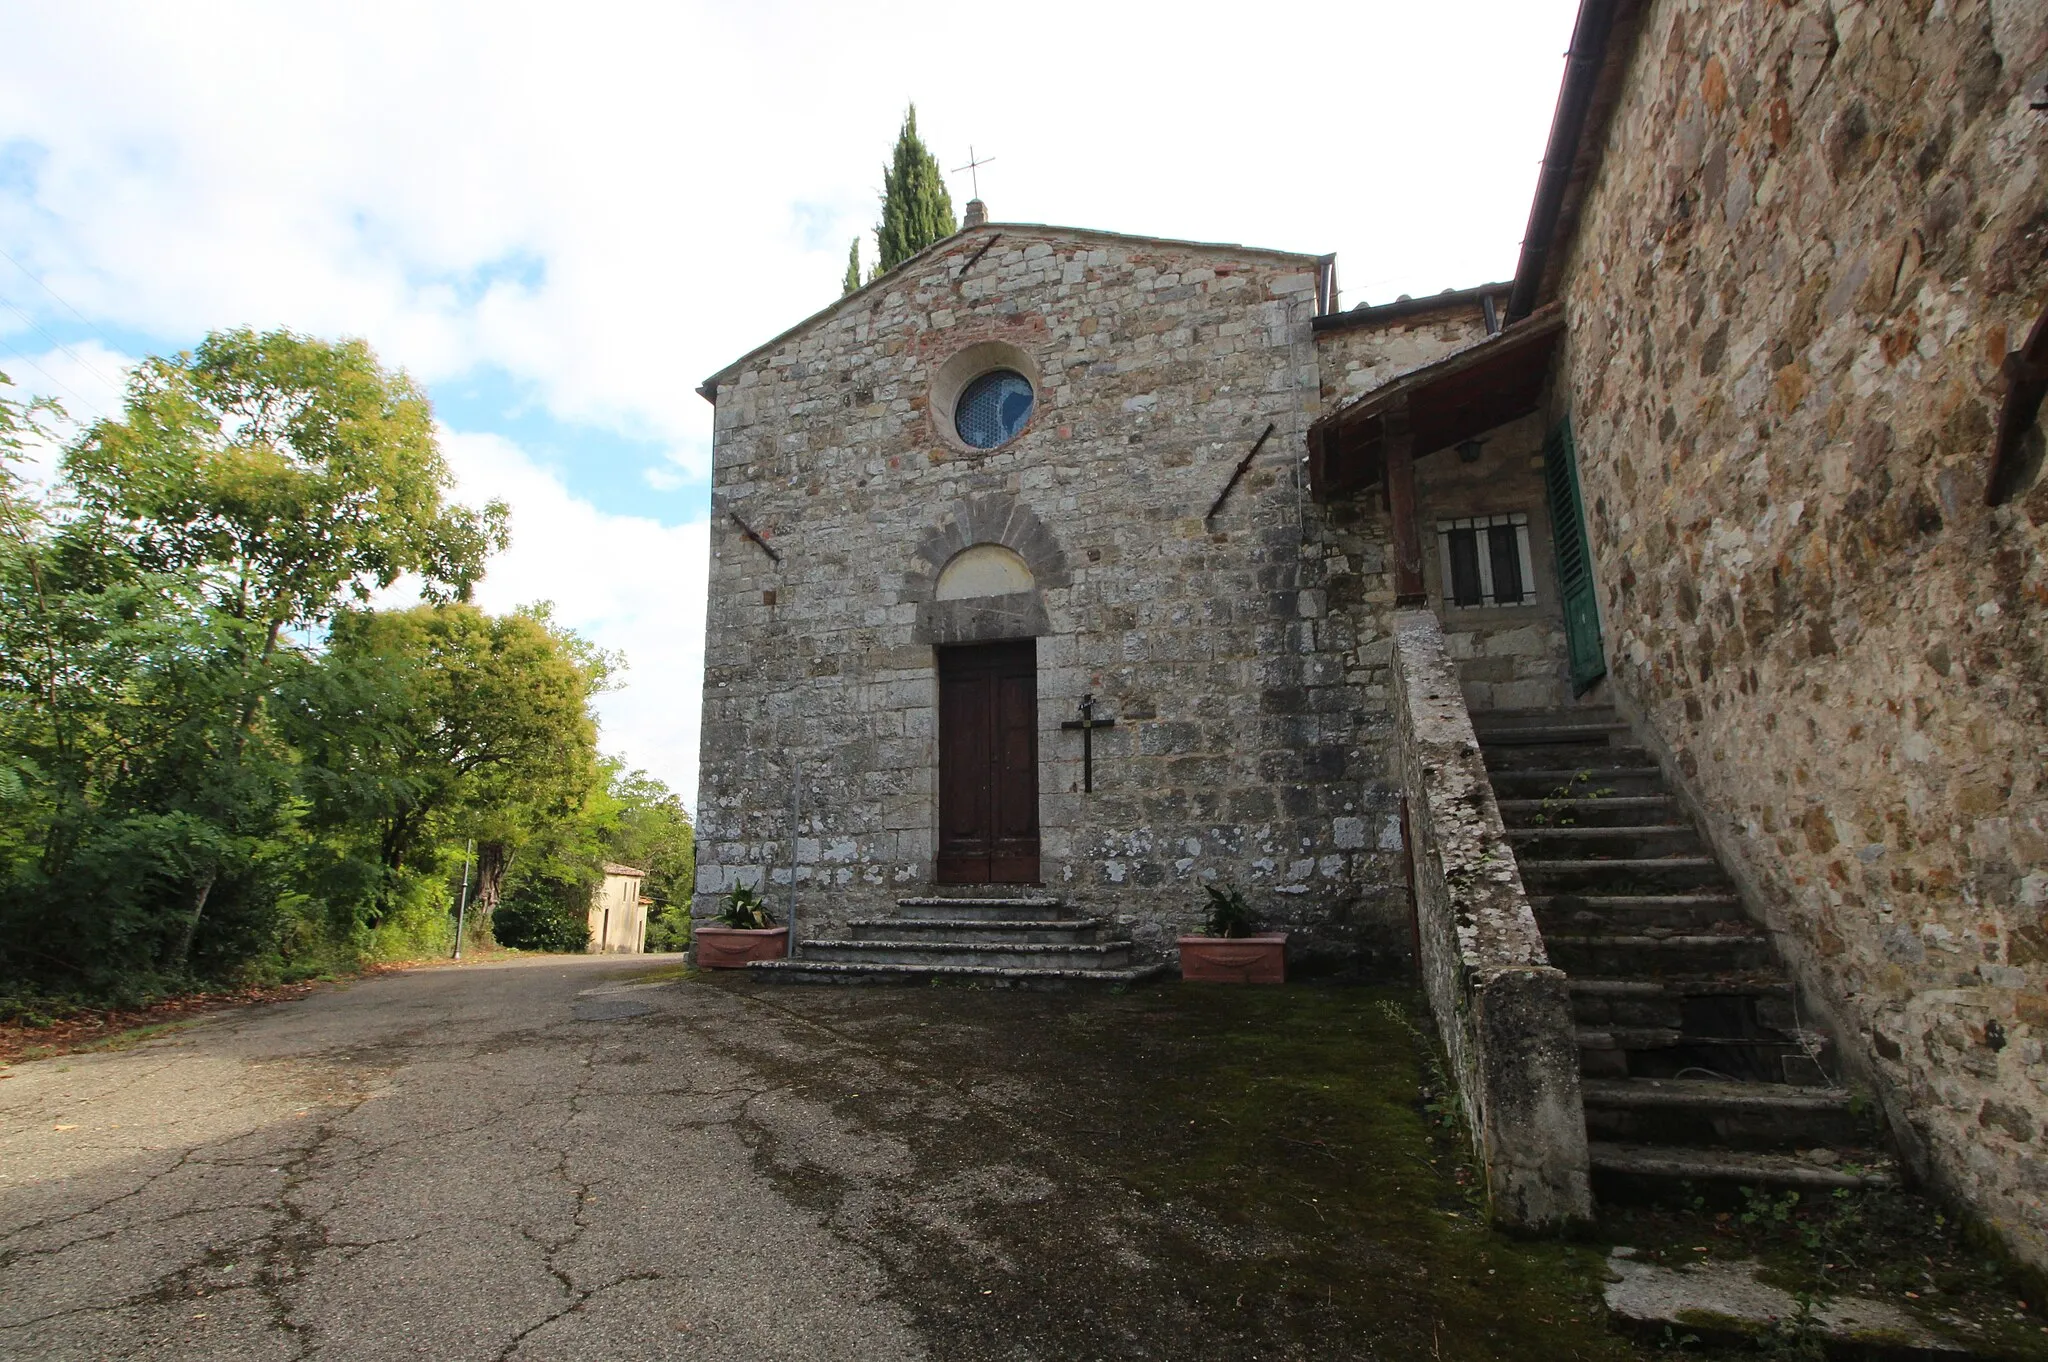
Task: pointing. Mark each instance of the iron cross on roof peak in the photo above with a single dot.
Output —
(973, 168)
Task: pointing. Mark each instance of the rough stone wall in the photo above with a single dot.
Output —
(1359, 358)
(1238, 657)
(1505, 1014)
(1817, 229)
(1511, 656)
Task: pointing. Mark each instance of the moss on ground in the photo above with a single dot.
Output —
(1186, 1172)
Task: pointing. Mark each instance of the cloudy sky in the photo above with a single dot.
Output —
(561, 218)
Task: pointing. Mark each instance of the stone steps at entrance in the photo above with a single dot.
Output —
(1006, 940)
(991, 909)
(987, 976)
(1038, 931)
(1001, 954)
(1695, 1065)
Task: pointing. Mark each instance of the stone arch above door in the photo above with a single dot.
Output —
(993, 519)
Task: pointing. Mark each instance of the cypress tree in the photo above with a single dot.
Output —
(916, 209)
(852, 281)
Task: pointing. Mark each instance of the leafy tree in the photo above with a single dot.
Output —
(653, 832)
(631, 818)
(246, 491)
(433, 720)
(916, 209)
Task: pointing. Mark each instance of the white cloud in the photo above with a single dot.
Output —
(627, 583)
(613, 200)
(610, 201)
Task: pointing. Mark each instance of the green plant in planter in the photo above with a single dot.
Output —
(744, 908)
(1229, 914)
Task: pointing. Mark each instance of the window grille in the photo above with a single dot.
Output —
(1486, 561)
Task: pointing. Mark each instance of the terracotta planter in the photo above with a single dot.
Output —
(1234, 959)
(734, 947)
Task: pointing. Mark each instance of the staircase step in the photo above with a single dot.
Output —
(981, 954)
(1037, 931)
(1617, 957)
(1596, 780)
(1670, 1052)
(1627, 842)
(1589, 811)
(1574, 757)
(1493, 733)
(1662, 1111)
(1632, 914)
(983, 909)
(985, 976)
(1616, 1165)
(1733, 1007)
(1545, 718)
(1634, 876)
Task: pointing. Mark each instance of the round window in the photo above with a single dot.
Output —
(993, 408)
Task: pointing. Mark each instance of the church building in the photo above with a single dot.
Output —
(1037, 476)
(1646, 652)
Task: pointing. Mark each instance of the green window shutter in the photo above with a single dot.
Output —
(1574, 559)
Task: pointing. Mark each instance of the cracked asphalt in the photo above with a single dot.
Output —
(590, 1157)
(526, 1160)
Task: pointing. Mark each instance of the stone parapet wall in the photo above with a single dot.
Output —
(1817, 230)
(1244, 659)
(1504, 1013)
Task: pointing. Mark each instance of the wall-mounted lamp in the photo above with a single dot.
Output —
(1468, 450)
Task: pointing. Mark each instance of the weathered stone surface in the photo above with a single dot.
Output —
(1817, 231)
(1504, 1013)
(1726, 1302)
(1238, 656)
(1358, 358)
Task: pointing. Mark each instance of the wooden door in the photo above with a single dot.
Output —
(988, 764)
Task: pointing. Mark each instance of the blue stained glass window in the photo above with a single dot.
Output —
(993, 408)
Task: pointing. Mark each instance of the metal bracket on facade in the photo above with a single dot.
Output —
(750, 532)
(975, 259)
(1242, 465)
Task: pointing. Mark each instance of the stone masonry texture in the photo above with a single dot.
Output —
(1244, 659)
(1817, 230)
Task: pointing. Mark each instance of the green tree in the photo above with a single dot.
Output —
(247, 489)
(431, 724)
(852, 280)
(631, 818)
(916, 209)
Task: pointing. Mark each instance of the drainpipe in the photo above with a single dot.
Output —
(796, 813)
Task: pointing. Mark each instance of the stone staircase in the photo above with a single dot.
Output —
(1012, 942)
(1696, 1066)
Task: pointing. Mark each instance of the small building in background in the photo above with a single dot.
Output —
(618, 915)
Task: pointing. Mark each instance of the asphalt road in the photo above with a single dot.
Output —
(587, 1157)
(533, 1160)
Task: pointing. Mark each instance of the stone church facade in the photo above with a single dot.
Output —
(1235, 651)
(1778, 337)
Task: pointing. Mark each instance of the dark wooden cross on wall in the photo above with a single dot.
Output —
(1088, 723)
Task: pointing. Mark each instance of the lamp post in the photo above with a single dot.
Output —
(462, 906)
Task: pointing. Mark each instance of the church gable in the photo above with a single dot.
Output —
(985, 260)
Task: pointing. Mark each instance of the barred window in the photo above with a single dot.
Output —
(1486, 561)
